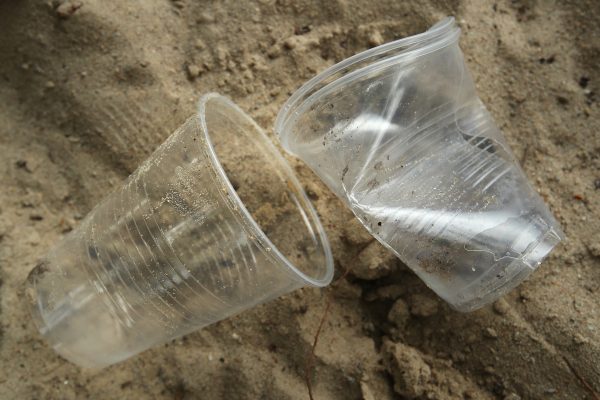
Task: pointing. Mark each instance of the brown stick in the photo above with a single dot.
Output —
(585, 384)
(311, 357)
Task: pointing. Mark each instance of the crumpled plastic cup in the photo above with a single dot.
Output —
(214, 222)
(399, 134)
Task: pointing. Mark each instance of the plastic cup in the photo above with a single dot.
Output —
(214, 222)
(399, 134)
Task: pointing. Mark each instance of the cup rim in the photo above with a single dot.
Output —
(242, 212)
(439, 35)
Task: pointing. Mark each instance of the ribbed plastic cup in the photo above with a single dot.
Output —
(214, 222)
(399, 134)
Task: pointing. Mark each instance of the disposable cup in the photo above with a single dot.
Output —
(213, 223)
(400, 135)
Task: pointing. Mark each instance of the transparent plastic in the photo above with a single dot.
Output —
(214, 222)
(399, 134)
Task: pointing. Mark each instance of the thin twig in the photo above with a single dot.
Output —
(585, 384)
(524, 155)
(311, 357)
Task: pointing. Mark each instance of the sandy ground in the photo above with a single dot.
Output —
(87, 93)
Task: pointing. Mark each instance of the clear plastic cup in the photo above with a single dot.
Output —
(214, 222)
(399, 134)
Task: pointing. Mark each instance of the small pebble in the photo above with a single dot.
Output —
(50, 84)
(66, 225)
(369, 327)
(274, 51)
(290, 43)
(199, 44)
(501, 307)
(375, 39)
(68, 8)
(423, 306)
(470, 339)
(399, 313)
(490, 333)
(179, 4)
(206, 18)
(193, 71)
(367, 393)
(579, 339)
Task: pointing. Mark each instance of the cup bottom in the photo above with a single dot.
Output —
(492, 285)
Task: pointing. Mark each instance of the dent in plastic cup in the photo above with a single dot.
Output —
(399, 134)
(214, 222)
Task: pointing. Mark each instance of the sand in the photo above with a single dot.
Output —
(88, 89)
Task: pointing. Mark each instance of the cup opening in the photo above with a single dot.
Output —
(261, 189)
(367, 62)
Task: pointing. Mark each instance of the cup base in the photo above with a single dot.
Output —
(486, 290)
